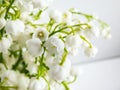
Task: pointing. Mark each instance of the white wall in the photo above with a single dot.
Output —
(103, 75)
(107, 10)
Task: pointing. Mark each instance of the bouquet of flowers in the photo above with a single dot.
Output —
(36, 44)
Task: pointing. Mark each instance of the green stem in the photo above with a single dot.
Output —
(65, 85)
(1, 33)
(41, 66)
(15, 87)
(50, 25)
(47, 83)
(8, 9)
(87, 41)
(2, 60)
(20, 58)
(71, 27)
(75, 78)
(87, 16)
(37, 16)
(64, 57)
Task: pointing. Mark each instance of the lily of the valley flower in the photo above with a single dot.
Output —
(73, 43)
(41, 4)
(32, 68)
(106, 33)
(56, 15)
(35, 84)
(2, 69)
(54, 46)
(60, 73)
(14, 27)
(41, 33)
(24, 5)
(91, 51)
(34, 47)
(67, 17)
(5, 44)
(11, 77)
(25, 82)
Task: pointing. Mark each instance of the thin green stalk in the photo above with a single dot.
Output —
(2, 60)
(8, 9)
(41, 66)
(75, 78)
(64, 57)
(71, 27)
(47, 83)
(14, 87)
(87, 41)
(65, 85)
(20, 58)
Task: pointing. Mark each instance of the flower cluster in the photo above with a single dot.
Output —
(36, 44)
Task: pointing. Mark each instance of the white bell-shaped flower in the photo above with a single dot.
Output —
(54, 46)
(27, 57)
(34, 47)
(14, 27)
(11, 76)
(5, 44)
(23, 82)
(73, 41)
(55, 15)
(41, 33)
(32, 68)
(2, 69)
(60, 73)
(91, 51)
(2, 23)
(22, 38)
(106, 33)
(37, 84)
(41, 4)
(9, 61)
(93, 31)
(24, 5)
(56, 86)
(67, 17)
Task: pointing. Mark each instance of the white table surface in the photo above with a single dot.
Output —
(101, 75)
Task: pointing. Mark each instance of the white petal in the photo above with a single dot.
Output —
(91, 52)
(2, 23)
(34, 47)
(37, 84)
(14, 27)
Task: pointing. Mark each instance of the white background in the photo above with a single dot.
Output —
(107, 10)
(103, 75)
